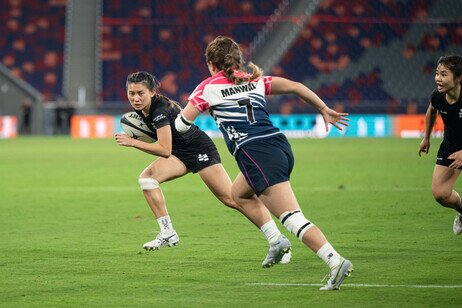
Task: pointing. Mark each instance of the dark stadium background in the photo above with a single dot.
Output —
(60, 58)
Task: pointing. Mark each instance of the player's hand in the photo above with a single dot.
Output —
(335, 118)
(424, 146)
(457, 163)
(124, 140)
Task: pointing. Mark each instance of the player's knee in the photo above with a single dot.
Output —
(441, 195)
(228, 201)
(235, 196)
(148, 183)
(239, 201)
(296, 223)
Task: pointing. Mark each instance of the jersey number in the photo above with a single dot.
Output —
(248, 108)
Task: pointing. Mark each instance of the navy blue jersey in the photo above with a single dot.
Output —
(239, 110)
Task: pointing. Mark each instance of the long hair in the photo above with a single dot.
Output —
(151, 82)
(226, 55)
(453, 63)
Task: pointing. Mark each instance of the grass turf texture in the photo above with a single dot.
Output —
(73, 221)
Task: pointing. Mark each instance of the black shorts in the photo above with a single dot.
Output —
(266, 162)
(198, 154)
(443, 153)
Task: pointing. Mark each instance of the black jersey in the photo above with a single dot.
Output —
(452, 119)
(164, 112)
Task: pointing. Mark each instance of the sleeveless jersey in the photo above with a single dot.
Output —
(239, 110)
(452, 119)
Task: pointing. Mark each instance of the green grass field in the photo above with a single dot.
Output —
(73, 221)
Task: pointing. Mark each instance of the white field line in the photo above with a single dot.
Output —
(358, 285)
(183, 188)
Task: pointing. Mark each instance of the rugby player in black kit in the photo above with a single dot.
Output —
(447, 101)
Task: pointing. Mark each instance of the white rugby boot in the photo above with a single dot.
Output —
(286, 258)
(457, 227)
(162, 240)
(276, 251)
(337, 275)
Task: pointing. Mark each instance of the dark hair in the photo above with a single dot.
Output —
(453, 63)
(226, 55)
(145, 78)
(151, 82)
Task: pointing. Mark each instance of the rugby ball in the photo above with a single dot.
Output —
(133, 125)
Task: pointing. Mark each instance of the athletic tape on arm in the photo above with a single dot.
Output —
(181, 124)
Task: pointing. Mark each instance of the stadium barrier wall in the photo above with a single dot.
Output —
(92, 126)
(294, 126)
(8, 127)
(413, 126)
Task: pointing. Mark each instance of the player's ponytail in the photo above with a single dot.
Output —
(171, 102)
(226, 55)
(229, 65)
(256, 71)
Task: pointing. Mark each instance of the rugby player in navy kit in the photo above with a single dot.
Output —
(447, 101)
(236, 100)
(180, 153)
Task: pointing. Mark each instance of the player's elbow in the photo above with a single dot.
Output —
(165, 153)
(163, 150)
(296, 87)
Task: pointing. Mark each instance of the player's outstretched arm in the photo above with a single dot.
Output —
(285, 86)
(335, 118)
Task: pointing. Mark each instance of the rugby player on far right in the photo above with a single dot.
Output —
(446, 100)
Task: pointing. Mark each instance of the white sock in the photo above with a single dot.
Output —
(271, 231)
(328, 254)
(165, 224)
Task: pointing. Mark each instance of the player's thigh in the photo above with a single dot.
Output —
(279, 198)
(241, 189)
(443, 179)
(217, 179)
(165, 169)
